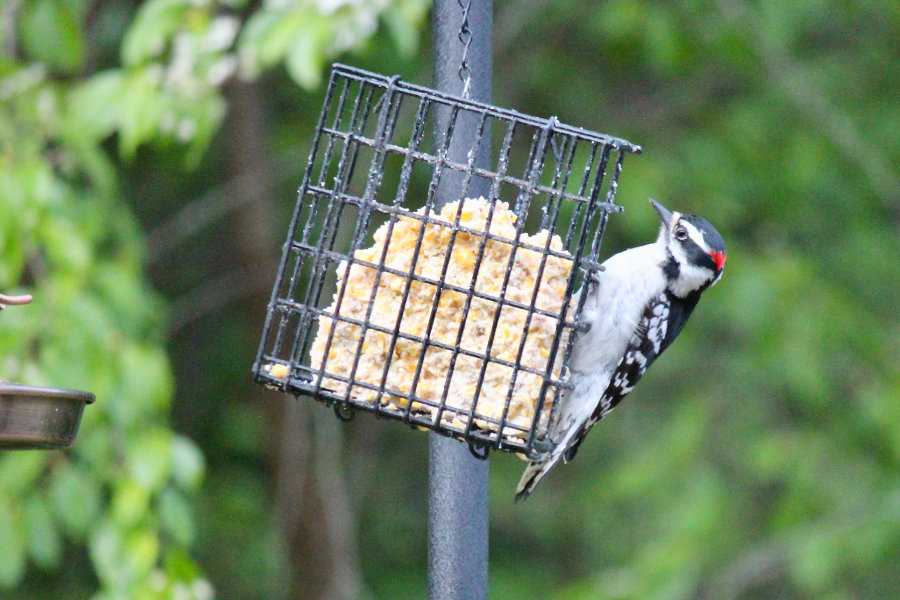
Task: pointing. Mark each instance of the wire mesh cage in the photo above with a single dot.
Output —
(431, 263)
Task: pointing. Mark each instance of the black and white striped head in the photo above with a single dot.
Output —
(695, 251)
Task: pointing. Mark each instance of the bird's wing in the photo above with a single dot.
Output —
(577, 406)
(660, 323)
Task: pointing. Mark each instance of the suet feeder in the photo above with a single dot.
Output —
(430, 266)
(34, 417)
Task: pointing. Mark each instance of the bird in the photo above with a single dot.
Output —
(637, 303)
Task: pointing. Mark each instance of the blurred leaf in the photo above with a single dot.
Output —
(75, 499)
(105, 546)
(95, 108)
(267, 36)
(12, 550)
(130, 503)
(306, 54)
(141, 551)
(180, 566)
(204, 118)
(43, 538)
(150, 458)
(142, 108)
(176, 516)
(814, 561)
(188, 465)
(405, 20)
(50, 31)
(19, 472)
(152, 28)
(148, 383)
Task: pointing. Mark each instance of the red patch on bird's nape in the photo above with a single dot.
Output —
(719, 258)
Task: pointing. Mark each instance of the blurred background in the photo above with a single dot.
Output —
(150, 155)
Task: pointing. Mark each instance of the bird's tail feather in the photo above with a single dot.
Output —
(534, 472)
(538, 469)
(567, 429)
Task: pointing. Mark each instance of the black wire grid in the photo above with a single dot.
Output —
(367, 166)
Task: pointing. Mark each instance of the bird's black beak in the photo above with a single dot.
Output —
(663, 212)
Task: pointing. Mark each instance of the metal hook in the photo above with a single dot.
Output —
(479, 451)
(344, 412)
(465, 38)
(388, 92)
(552, 124)
(13, 300)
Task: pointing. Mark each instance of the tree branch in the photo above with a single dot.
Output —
(812, 102)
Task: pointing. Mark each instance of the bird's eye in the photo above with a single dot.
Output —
(681, 233)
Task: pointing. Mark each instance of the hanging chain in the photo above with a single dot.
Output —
(465, 38)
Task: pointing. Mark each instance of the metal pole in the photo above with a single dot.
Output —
(458, 482)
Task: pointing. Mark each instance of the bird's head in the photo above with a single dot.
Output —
(695, 251)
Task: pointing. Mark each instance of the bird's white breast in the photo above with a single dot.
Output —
(615, 306)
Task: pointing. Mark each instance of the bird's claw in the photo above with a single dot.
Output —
(594, 274)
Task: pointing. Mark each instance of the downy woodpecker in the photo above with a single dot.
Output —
(637, 304)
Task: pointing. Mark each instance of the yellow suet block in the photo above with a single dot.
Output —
(440, 249)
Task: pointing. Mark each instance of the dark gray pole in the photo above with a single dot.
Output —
(458, 484)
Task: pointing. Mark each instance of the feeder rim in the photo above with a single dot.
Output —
(18, 389)
(552, 123)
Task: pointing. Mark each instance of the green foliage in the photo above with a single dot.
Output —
(56, 20)
(749, 462)
(94, 324)
(306, 35)
(127, 490)
(758, 458)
